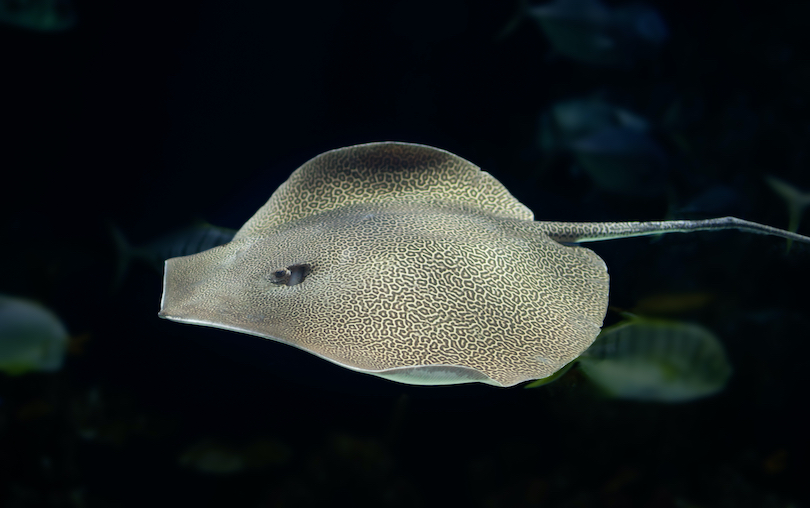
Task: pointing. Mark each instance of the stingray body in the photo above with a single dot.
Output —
(409, 263)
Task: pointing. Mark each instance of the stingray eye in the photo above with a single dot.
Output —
(290, 276)
(279, 277)
(298, 273)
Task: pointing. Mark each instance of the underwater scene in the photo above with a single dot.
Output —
(405, 254)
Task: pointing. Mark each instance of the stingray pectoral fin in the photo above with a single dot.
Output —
(578, 232)
(434, 375)
(388, 172)
(550, 379)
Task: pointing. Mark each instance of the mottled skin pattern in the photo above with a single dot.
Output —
(384, 173)
(396, 286)
(418, 258)
(415, 259)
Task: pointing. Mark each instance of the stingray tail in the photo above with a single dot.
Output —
(578, 232)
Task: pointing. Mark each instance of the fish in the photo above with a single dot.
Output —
(624, 161)
(189, 240)
(590, 32)
(714, 199)
(574, 119)
(32, 337)
(39, 15)
(657, 360)
(612, 144)
(410, 263)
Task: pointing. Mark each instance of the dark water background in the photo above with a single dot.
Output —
(153, 115)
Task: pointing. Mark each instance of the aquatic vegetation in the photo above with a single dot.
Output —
(410, 263)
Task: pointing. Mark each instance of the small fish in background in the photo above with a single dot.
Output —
(573, 119)
(612, 144)
(623, 161)
(213, 457)
(32, 338)
(194, 239)
(657, 360)
(719, 199)
(592, 33)
(795, 199)
(38, 15)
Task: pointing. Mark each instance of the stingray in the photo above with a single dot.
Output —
(410, 263)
